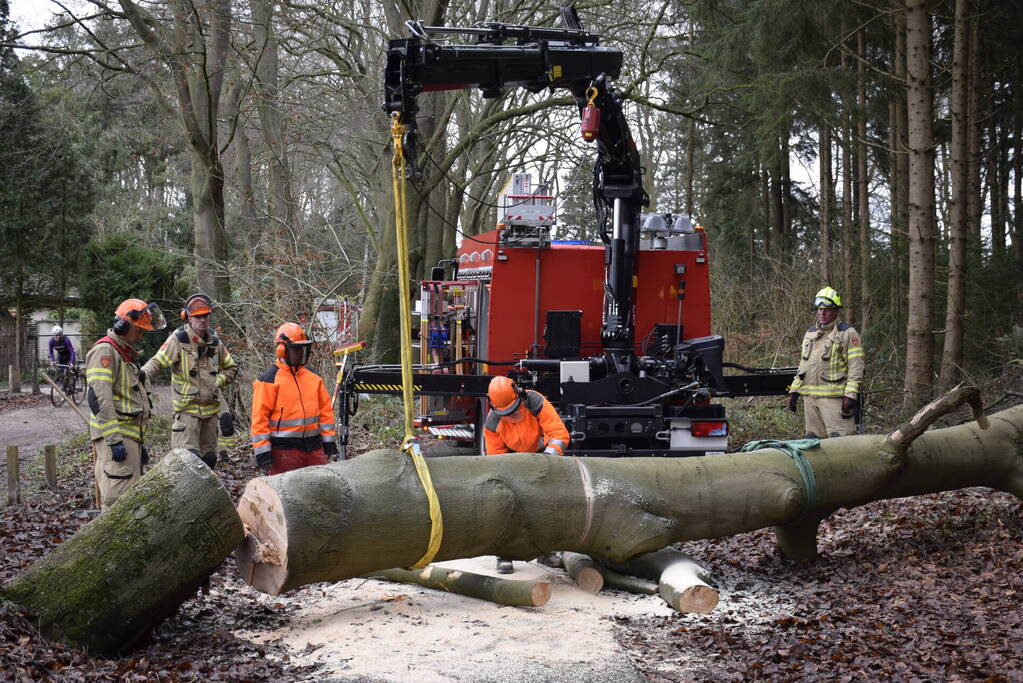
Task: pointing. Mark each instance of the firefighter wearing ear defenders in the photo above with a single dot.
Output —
(522, 421)
(292, 418)
(118, 397)
(200, 367)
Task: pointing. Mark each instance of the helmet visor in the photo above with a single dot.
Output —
(154, 316)
(296, 354)
(824, 302)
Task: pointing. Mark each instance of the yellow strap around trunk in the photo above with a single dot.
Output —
(409, 444)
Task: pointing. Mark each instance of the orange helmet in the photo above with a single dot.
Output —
(504, 396)
(292, 336)
(197, 304)
(139, 313)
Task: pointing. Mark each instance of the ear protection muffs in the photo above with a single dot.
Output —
(120, 326)
(200, 297)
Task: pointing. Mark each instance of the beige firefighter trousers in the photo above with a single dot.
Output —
(114, 478)
(195, 433)
(824, 417)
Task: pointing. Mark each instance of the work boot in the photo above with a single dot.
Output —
(551, 560)
(504, 566)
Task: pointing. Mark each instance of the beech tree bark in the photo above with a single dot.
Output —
(105, 589)
(353, 517)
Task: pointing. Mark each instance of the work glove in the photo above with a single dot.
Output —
(143, 454)
(850, 406)
(793, 399)
(227, 424)
(330, 448)
(142, 376)
(118, 452)
(264, 461)
(551, 450)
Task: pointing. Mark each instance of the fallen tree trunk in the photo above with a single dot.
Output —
(105, 589)
(501, 591)
(349, 518)
(680, 580)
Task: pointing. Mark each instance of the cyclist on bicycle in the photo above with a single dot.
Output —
(62, 351)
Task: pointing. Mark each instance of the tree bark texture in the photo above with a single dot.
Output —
(955, 307)
(919, 375)
(514, 593)
(862, 188)
(349, 518)
(107, 587)
(824, 161)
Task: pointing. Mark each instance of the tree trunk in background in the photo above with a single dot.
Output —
(974, 197)
(785, 166)
(863, 187)
(776, 209)
(281, 207)
(242, 158)
(1017, 175)
(194, 46)
(847, 252)
(902, 163)
(999, 187)
(765, 182)
(690, 162)
(952, 354)
(919, 377)
(824, 161)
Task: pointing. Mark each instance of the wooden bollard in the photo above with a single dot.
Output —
(13, 476)
(50, 462)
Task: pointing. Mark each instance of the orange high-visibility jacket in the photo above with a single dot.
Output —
(291, 409)
(541, 429)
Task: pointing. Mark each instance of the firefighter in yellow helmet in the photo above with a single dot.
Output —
(118, 397)
(200, 367)
(830, 372)
(522, 422)
(292, 417)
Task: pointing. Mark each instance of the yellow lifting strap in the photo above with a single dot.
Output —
(409, 444)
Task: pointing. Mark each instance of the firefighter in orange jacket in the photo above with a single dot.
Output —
(522, 421)
(292, 419)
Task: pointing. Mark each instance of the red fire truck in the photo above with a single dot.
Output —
(616, 334)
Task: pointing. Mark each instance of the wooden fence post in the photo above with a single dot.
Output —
(13, 476)
(50, 461)
(35, 370)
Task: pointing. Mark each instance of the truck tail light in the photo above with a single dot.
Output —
(709, 428)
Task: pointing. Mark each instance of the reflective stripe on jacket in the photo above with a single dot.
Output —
(291, 409)
(199, 367)
(118, 398)
(539, 428)
(831, 362)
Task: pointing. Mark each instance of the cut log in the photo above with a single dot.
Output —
(348, 518)
(632, 584)
(588, 576)
(107, 587)
(680, 580)
(514, 593)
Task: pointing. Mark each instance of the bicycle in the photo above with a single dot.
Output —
(70, 381)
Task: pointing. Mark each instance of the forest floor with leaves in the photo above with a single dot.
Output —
(926, 588)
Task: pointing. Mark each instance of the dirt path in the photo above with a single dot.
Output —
(40, 424)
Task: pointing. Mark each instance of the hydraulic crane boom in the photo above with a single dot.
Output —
(543, 58)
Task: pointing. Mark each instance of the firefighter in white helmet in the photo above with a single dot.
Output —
(830, 372)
